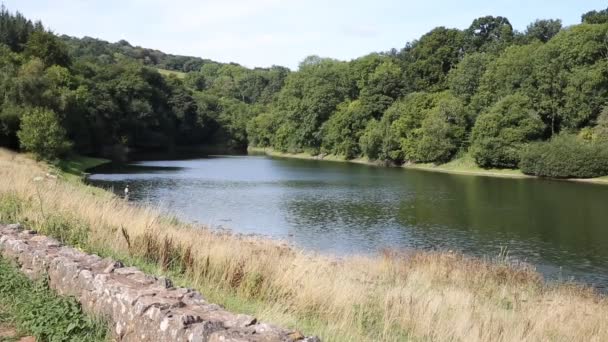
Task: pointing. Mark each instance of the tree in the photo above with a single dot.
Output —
(500, 133)
(405, 117)
(543, 30)
(584, 96)
(46, 46)
(308, 99)
(261, 129)
(488, 34)
(511, 72)
(429, 60)
(14, 29)
(382, 88)
(342, 131)
(464, 79)
(595, 17)
(42, 134)
(443, 131)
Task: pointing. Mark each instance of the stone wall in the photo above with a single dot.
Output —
(140, 307)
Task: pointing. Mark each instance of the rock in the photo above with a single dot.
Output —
(296, 336)
(27, 339)
(112, 266)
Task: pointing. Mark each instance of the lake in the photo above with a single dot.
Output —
(342, 208)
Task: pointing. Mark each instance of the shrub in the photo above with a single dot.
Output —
(565, 156)
(42, 134)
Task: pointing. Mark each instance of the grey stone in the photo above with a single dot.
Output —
(140, 307)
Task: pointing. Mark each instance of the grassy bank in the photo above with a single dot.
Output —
(463, 166)
(74, 167)
(394, 296)
(35, 310)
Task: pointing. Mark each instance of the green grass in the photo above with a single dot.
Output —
(464, 165)
(35, 310)
(74, 167)
(177, 74)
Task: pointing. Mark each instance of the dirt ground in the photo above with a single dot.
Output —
(8, 332)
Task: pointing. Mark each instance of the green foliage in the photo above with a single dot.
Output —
(41, 133)
(486, 88)
(14, 29)
(342, 131)
(309, 98)
(37, 311)
(260, 130)
(443, 131)
(103, 52)
(67, 231)
(407, 117)
(383, 86)
(430, 59)
(10, 207)
(464, 79)
(47, 47)
(566, 156)
(489, 34)
(507, 74)
(595, 17)
(543, 30)
(500, 133)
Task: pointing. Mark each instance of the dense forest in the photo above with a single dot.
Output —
(535, 100)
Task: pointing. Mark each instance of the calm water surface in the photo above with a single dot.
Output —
(340, 208)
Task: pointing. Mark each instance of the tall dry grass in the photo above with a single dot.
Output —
(393, 297)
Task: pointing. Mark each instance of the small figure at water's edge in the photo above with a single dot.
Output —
(127, 192)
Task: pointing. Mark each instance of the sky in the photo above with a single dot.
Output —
(261, 33)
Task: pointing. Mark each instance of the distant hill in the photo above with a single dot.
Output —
(106, 52)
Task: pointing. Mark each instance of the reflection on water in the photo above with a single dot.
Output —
(345, 208)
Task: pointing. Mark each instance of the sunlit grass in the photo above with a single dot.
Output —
(463, 165)
(74, 166)
(394, 296)
(166, 72)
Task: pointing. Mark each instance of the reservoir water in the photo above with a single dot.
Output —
(340, 208)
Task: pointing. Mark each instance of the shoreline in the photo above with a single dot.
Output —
(454, 167)
(383, 297)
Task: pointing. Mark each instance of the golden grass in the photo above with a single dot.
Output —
(394, 296)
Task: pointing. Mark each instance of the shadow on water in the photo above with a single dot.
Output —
(342, 208)
(131, 168)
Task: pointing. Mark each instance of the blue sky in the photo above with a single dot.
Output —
(282, 32)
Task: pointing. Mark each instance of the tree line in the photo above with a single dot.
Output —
(62, 94)
(535, 100)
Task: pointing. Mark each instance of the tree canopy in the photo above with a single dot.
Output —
(488, 91)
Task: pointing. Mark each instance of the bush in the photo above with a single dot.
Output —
(565, 156)
(42, 134)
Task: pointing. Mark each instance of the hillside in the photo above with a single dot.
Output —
(534, 100)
